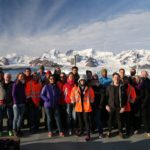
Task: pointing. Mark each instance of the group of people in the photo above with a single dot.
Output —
(74, 104)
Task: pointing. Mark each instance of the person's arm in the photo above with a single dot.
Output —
(107, 99)
(44, 94)
(92, 95)
(72, 96)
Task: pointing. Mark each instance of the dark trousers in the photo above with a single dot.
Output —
(146, 119)
(98, 120)
(84, 119)
(34, 117)
(63, 116)
(127, 121)
(114, 114)
(2, 111)
(49, 114)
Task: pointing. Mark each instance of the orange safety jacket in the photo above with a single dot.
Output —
(87, 99)
(131, 95)
(36, 88)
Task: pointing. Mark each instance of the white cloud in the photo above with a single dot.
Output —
(128, 31)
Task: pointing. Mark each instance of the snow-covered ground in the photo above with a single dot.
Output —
(126, 59)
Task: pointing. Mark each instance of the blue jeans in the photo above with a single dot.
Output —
(49, 114)
(10, 117)
(71, 117)
(18, 115)
(2, 110)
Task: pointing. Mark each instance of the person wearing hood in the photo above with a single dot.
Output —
(2, 101)
(67, 88)
(19, 100)
(116, 102)
(82, 97)
(51, 95)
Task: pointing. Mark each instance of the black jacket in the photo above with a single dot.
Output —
(145, 93)
(99, 96)
(8, 96)
(110, 96)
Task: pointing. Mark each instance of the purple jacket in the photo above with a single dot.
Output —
(18, 93)
(50, 95)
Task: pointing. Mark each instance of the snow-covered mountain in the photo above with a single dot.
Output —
(86, 58)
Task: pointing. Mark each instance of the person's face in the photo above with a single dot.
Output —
(71, 77)
(144, 74)
(104, 74)
(62, 77)
(28, 73)
(137, 80)
(74, 71)
(95, 77)
(7, 78)
(58, 70)
(47, 76)
(122, 73)
(132, 72)
(35, 78)
(89, 75)
(82, 82)
(125, 81)
(20, 77)
(52, 80)
(41, 71)
(116, 79)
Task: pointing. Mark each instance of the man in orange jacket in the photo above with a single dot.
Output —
(82, 96)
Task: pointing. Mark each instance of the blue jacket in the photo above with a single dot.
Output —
(50, 95)
(105, 81)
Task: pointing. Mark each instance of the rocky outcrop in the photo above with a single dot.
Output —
(91, 62)
(46, 63)
(4, 61)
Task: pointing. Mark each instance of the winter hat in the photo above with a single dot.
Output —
(48, 72)
(42, 67)
(82, 77)
(103, 70)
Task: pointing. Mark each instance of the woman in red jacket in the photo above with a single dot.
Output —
(67, 91)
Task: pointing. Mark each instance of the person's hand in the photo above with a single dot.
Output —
(107, 108)
(122, 110)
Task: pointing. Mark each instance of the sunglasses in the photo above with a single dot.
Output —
(51, 79)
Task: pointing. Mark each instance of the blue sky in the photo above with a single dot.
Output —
(34, 26)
